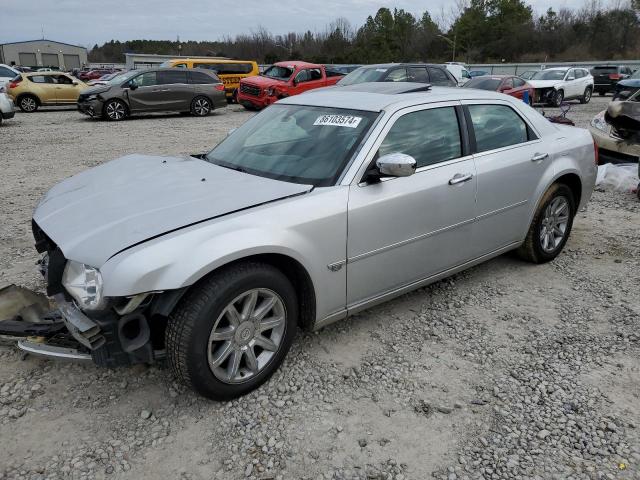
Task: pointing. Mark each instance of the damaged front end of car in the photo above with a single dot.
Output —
(111, 331)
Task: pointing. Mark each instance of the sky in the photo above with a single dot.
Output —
(87, 22)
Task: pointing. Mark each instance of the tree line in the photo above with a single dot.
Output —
(474, 31)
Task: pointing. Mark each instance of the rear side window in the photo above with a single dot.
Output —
(430, 136)
(147, 79)
(497, 126)
(439, 78)
(41, 79)
(202, 78)
(172, 76)
(518, 82)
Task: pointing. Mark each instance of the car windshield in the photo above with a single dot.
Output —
(636, 74)
(364, 74)
(484, 83)
(295, 143)
(123, 77)
(549, 75)
(279, 72)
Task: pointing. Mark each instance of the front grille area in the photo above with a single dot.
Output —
(250, 89)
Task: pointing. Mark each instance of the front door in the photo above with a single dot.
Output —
(510, 161)
(145, 96)
(402, 230)
(66, 91)
(307, 79)
(176, 92)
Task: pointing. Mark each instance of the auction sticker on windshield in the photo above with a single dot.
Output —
(338, 120)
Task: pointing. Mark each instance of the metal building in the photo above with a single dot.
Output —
(43, 53)
(147, 60)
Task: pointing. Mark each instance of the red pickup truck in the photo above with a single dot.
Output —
(283, 79)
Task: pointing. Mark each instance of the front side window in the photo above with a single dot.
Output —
(63, 80)
(364, 74)
(303, 76)
(497, 126)
(418, 74)
(429, 136)
(397, 75)
(295, 143)
(548, 75)
(571, 75)
(41, 79)
(147, 79)
(439, 78)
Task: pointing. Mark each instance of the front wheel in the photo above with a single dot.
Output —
(551, 225)
(232, 331)
(586, 97)
(201, 107)
(556, 99)
(114, 110)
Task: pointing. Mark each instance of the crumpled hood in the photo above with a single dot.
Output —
(102, 211)
(544, 83)
(94, 89)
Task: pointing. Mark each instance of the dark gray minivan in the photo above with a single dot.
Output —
(194, 91)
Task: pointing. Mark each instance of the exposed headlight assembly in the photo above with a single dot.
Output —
(84, 284)
(600, 123)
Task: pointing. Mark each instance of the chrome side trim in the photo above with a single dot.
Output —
(500, 210)
(329, 319)
(336, 266)
(50, 351)
(408, 241)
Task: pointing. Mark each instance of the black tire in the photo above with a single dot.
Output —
(191, 323)
(586, 96)
(251, 108)
(28, 103)
(557, 98)
(201, 106)
(532, 249)
(115, 110)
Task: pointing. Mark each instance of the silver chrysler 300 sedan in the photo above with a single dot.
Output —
(320, 206)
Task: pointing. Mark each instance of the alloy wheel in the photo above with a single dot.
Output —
(587, 95)
(115, 111)
(554, 224)
(246, 335)
(201, 106)
(28, 104)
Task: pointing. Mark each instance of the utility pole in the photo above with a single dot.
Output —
(452, 43)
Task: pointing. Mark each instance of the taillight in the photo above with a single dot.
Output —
(615, 76)
(220, 87)
(14, 83)
(596, 153)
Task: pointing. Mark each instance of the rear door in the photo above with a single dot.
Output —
(510, 160)
(175, 91)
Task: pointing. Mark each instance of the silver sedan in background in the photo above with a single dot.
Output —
(318, 207)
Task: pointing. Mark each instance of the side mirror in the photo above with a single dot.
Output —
(132, 86)
(570, 77)
(396, 165)
(74, 83)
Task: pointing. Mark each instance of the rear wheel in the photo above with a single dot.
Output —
(586, 97)
(28, 103)
(201, 106)
(114, 110)
(551, 225)
(231, 332)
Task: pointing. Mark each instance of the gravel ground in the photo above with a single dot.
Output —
(505, 371)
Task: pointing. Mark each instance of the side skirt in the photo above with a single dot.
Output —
(371, 302)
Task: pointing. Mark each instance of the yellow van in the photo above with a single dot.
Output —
(229, 71)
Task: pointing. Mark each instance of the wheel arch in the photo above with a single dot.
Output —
(28, 94)
(573, 181)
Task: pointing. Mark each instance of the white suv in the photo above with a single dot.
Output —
(554, 85)
(7, 73)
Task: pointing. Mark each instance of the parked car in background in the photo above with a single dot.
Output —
(7, 73)
(96, 73)
(283, 79)
(528, 74)
(45, 69)
(459, 72)
(229, 71)
(507, 84)
(342, 69)
(24, 69)
(216, 261)
(7, 109)
(35, 89)
(627, 87)
(103, 79)
(194, 91)
(555, 85)
(613, 146)
(434, 74)
(477, 73)
(606, 77)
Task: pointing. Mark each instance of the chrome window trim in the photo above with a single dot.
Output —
(515, 109)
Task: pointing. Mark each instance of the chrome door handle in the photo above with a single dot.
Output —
(538, 157)
(460, 178)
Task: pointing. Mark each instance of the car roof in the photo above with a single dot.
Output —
(415, 64)
(298, 64)
(558, 68)
(392, 88)
(355, 99)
